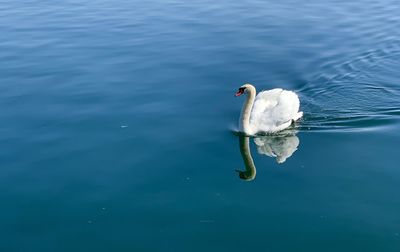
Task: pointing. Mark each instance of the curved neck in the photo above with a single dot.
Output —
(250, 172)
(244, 121)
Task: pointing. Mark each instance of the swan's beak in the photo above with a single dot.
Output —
(239, 92)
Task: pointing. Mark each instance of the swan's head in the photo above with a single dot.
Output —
(244, 89)
(246, 175)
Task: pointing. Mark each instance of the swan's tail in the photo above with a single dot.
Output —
(298, 116)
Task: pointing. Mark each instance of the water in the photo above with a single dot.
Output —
(117, 126)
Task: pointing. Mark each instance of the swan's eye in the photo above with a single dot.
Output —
(240, 91)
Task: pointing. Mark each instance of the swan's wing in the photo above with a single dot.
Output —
(263, 105)
(274, 110)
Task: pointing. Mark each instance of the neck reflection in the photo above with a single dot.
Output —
(250, 172)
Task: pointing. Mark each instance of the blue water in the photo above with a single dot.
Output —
(117, 126)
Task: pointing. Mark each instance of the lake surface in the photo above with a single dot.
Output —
(118, 126)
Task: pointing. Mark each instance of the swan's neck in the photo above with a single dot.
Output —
(250, 172)
(244, 121)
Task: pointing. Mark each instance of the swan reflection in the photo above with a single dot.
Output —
(280, 147)
(250, 172)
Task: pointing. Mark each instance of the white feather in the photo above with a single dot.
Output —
(273, 110)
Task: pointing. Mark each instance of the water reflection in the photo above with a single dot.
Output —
(281, 147)
(250, 172)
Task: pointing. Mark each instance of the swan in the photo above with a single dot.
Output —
(270, 111)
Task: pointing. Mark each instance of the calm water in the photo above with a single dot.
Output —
(117, 126)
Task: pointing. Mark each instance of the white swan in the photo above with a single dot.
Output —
(270, 111)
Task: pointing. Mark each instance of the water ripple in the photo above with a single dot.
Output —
(357, 94)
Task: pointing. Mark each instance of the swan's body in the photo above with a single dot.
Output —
(270, 111)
